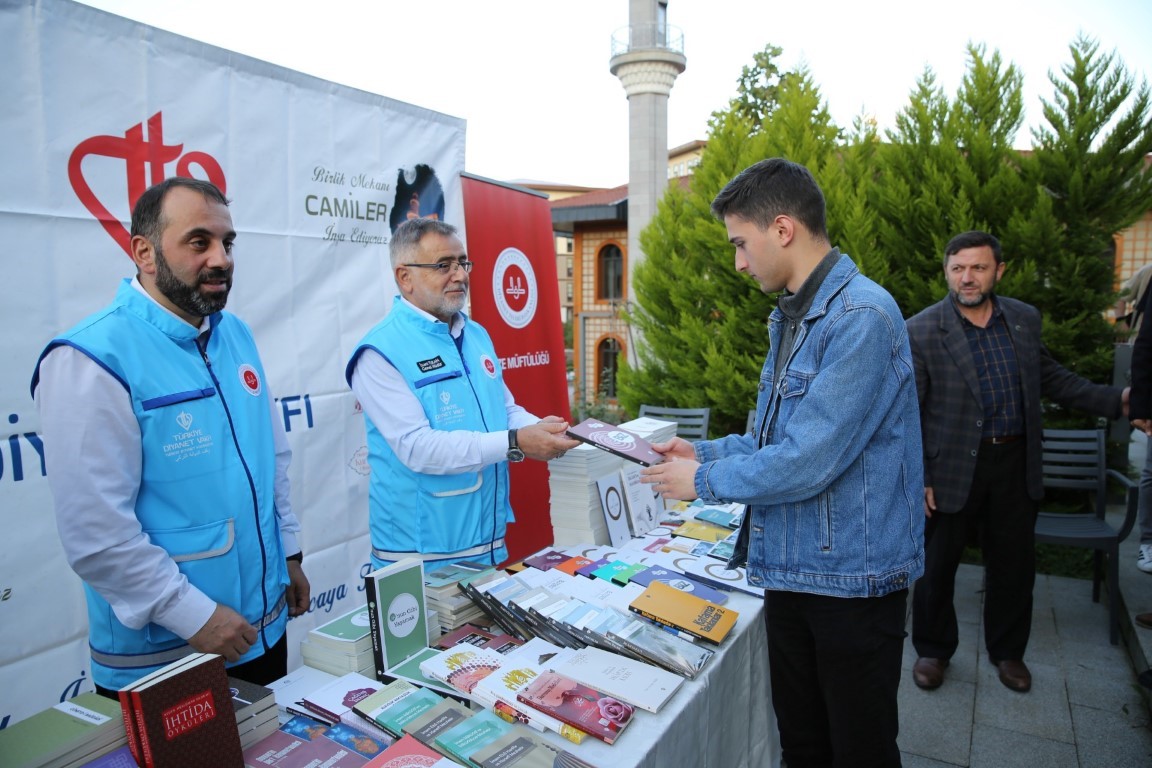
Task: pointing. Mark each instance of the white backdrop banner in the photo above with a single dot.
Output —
(95, 109)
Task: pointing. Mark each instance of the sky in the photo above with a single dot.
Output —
(532, 79)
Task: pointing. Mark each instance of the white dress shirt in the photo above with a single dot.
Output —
(397, 413)
(92, 455)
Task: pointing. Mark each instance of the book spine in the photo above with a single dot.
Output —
(146, 759)
(374, 627)
(481, 600)
(514, 715)
(667, 625)
(130, 725)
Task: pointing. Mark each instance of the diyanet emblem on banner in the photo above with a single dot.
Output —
(514, 287)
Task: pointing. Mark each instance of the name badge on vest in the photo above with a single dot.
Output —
(430, 365)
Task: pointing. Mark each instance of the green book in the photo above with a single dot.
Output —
(82, 725)
(464, 738)
(347, 633)
(397, 617)
(396, 715)
(409, 670)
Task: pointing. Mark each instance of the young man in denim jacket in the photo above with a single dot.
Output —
(831, 475)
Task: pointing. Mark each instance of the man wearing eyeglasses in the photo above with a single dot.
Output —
(441, 422)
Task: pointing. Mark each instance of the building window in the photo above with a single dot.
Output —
(610, 263)
(607, 353)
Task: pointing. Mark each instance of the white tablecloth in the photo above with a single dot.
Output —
(721, 719)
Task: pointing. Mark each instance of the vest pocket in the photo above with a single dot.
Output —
(177, 397)
(441, 376)
(207, 555)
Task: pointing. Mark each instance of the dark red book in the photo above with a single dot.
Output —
(617, 441)
(184, 715)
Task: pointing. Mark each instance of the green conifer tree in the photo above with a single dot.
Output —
(703, 323)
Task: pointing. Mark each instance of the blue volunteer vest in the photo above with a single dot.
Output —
(459, 388)
(206, 492)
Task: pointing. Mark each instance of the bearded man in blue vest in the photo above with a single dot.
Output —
(441, 422)
(167, 464)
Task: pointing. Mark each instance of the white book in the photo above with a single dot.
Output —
(611, 492)
(633, 682)
(644, 505)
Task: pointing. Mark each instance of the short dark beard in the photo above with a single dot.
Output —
(978, 302)
(188, 297)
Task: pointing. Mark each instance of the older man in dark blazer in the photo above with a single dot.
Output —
(981, 370)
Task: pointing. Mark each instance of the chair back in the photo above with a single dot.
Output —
(692, 423)
(1077, 458)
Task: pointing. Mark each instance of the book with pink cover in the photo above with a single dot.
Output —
(581, 706)
(617, 441)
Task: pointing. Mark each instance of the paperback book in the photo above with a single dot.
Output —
(408, 752)
(660, 647)
(467, 736)
(685, 613)
(679, 581)
(426, 726)
(498, 691)
(616, 440)
(89, 724)
(184, 716)
(634, 682)
(303, 743)
(462, 666)
(581, 706)
(398, 622)
(396, 704)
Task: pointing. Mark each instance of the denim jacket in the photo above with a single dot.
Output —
(832, 472)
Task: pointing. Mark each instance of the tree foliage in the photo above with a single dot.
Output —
(948, 165)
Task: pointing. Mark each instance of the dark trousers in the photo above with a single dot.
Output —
(835, 669)
(272, 665)
(1003, 517)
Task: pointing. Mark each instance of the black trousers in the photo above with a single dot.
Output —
(1003, 517)
(272, 665)
(835, 669)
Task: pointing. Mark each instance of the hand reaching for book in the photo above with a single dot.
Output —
(226, 633)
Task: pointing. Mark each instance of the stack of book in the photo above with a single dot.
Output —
(69, 734)
(577, 506)
(290, 689)
(442, 592)
(182, 714)
(343, 644)
(255, 707)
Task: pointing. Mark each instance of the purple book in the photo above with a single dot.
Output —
(617, 441)
(547, 560)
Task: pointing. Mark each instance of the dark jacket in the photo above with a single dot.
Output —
(952, 413)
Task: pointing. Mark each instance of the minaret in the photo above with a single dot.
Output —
(646, 56)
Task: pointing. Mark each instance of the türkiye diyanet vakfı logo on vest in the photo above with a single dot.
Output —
(187, 442)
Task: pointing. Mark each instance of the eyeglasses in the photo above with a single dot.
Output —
(445, 267)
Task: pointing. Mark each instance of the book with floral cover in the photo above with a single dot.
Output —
(579, 705)
(462, 666)
(498, 690)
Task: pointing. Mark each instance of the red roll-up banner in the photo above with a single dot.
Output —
(516, 297)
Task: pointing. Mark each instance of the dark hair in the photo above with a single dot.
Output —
(772, 187)
(148, 213)
(973, 239)
(405, 243)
